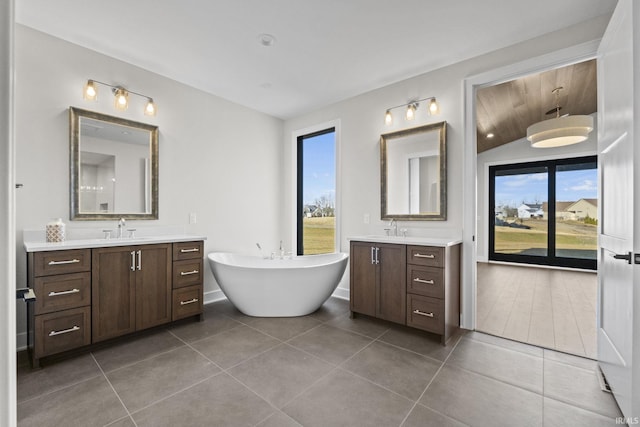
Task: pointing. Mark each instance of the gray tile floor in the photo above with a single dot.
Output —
(320, 370)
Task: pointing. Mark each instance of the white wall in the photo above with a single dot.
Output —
(230, 165)
(218, 159)
(362, 122)
(518, 152)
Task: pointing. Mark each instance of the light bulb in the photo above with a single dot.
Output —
(388, 118)
(150, 108)
(122, 99)
(90, 91)
(434, 108)
(411, 111)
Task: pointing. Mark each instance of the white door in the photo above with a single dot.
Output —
(618, 90)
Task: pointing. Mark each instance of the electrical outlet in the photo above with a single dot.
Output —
(367, 218)
(192, 218)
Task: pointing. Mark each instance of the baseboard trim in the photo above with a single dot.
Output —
(341, 293)
(213, 296)
(21, 341)
(218, 295)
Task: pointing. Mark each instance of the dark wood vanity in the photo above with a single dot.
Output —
(89, 295)
(410, 284)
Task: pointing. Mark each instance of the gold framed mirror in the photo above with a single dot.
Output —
(413, 172)
(113, 167)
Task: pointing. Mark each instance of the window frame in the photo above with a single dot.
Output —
(551, 259)
(299, 181)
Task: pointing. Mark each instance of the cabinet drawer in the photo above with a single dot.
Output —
(425, 255)
(61, 262)
(427, 281)
(61, 292)
(187, 302)
(425, 313)
(187, 273)
(61, 331)
(187, 250)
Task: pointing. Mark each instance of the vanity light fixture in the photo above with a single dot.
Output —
(121, 95)
(559, 131)
(412, 106)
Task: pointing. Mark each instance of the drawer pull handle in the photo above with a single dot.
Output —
(69, 261)
(189, 250)
(187, 273)
(191, 301)
(419, 280)
(422, 313)
(64, 331)
(430, 256)
(70, 291)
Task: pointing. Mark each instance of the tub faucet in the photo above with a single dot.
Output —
(281, 250)
(260, 249)
(394, 227)
(121, 225)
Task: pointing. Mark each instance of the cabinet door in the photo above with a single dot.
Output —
(153, 285)
(392, 283)
(113, 292)
(363, 279)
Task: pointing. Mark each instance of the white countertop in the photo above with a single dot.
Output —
(34, 240)
(409, 240)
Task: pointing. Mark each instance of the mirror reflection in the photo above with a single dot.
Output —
(413, 172)
(114, 166)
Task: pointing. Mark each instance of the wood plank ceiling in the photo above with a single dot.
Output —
(507, 109)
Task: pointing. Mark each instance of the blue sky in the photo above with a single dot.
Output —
(513, 190)
(319, 172)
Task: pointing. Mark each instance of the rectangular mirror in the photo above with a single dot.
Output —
(413, 169)
(113, 167)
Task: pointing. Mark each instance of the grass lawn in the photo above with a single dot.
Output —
(319, 235)
(569, 235)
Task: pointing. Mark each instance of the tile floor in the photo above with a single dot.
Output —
(554, 309)
(320, 370)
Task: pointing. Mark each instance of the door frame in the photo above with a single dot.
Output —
(560, 58)
(8, 406)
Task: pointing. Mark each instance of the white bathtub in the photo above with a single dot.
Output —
(277, 287)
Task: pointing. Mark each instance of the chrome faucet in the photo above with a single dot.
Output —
(121, 225)
(394, 227)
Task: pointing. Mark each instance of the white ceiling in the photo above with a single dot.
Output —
(325, 50)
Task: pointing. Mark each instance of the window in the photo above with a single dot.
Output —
(316, 222)
(544, 212)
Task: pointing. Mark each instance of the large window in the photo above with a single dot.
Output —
(316, 228)
(544, 212)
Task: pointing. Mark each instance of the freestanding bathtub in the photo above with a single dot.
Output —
(287, 287)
